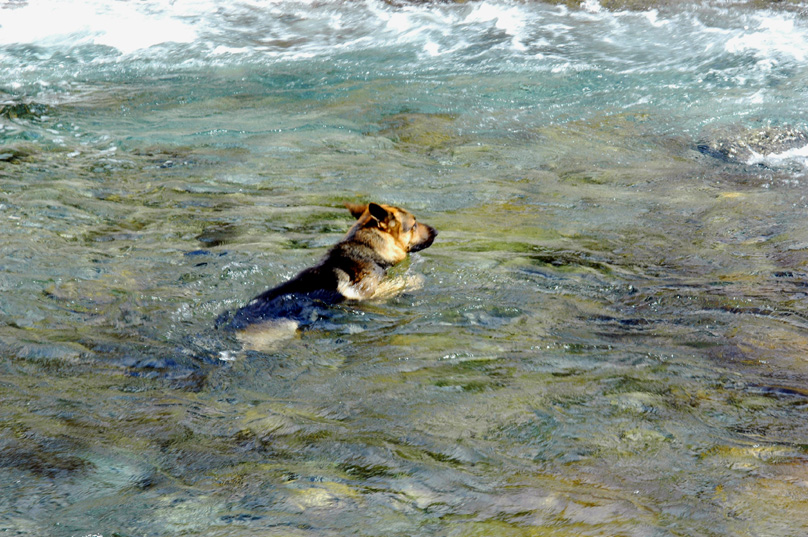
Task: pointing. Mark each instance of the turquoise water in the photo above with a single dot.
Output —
(610, 333)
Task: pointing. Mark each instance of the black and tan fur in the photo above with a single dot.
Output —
(353, 269)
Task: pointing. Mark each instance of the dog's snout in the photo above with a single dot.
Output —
(425, 239)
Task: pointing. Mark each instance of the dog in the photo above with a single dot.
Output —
(353, 269)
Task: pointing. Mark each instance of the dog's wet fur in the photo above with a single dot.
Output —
(353, 269)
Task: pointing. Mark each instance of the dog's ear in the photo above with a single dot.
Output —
(357, 209)
(378, 212)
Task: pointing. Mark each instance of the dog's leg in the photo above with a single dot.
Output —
(267, 336)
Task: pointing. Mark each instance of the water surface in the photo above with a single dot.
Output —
(611, 334)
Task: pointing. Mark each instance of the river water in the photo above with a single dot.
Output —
(611, 333)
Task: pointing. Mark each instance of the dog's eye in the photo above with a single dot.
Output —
(414, 226)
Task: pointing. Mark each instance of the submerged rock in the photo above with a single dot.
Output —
(424, 132)
(218, 234)
(15, 154)
(745, 146)
(27, 111)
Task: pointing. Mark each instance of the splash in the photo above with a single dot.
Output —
(124, 26)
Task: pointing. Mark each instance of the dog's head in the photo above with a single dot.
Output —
(405, 233)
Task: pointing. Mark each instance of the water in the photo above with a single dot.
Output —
(611, 334)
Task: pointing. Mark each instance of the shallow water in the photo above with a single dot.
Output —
(611, 334)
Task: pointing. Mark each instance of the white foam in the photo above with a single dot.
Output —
(125, 26)
(653, 18)
(777, 35)
(592, 6)
(510, 19)
(301, 29)
(797, 155)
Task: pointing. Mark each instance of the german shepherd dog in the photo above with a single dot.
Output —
(353, 269)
